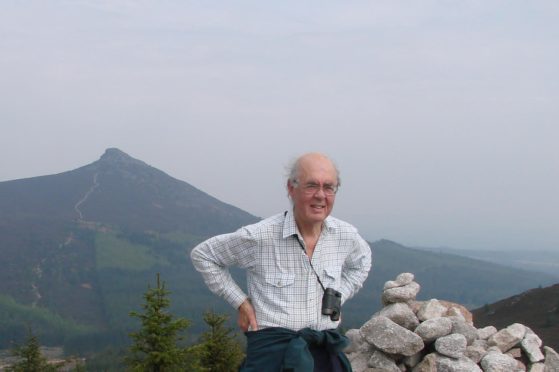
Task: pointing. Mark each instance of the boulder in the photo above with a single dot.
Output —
(381, 361)
(460, 325)
(531, 344)
(400, 294)
(401, 314)
(537, 367)
(390, 337)
(486, 332)
(400, 281)
(454, 309)
(453, 345)
(428, 364)
(431, 309)
(509, 337)
(355, 340)
(498, 362)
(456, 365)
(434, 328)
(551, 360)
(475, 353)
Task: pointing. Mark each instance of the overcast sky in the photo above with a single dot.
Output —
(441, 115)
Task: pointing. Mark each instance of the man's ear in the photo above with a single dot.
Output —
(290, 188)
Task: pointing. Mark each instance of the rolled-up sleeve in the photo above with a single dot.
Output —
(213, 257)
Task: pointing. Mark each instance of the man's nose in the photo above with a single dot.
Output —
(320, 193)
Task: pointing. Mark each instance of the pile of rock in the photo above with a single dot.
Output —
(431, 336)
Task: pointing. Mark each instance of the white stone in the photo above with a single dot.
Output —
(401, 314)
(428, 364)
(390, 337)
(456, 365)
(551, 360)
(405, 278)
(486, 332)
(412, 360)
(434, 328)
(498, 362)
(381, 361)
(460, 325)
(431, 309)
(400, 294)
(355, 340)
(475, 353)
(531, 345)
(537, 367)
(509, 337)
(453, 345)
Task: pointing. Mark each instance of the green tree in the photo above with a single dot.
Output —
(155, 347)
(219, 350)
(30, 357)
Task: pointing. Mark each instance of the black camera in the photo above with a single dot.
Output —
(332, 304)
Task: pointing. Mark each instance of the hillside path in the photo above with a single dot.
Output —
(84, 198)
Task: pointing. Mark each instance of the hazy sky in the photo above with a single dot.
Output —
(442, 115)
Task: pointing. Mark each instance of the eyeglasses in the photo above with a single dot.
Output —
(312, 188)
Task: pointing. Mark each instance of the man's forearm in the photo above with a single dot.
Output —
(217, 277)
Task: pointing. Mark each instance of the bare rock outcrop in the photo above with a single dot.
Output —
(435, 335)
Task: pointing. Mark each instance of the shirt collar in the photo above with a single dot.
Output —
(290, 226)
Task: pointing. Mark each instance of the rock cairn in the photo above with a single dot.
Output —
(437, 336)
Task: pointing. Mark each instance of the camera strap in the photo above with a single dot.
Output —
(305, 252)
(310, 263)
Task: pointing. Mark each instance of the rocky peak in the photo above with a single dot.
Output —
(114, 156)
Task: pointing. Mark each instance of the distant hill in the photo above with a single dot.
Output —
(80, 248)
(532, 258)
(536, 308)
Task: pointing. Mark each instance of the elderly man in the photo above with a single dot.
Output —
(301, 266)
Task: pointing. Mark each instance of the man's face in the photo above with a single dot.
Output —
(313, 206)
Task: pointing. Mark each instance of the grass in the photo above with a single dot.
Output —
(114, 253)
(16, 317)
(182, 237)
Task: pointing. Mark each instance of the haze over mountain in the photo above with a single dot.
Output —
(545, 261)
(80, 248)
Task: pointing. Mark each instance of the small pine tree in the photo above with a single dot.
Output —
(155, 346)
(30, 357)
(219, 350)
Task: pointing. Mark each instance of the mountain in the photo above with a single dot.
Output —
(533, 259)
(81, 247)
(118, 190)
(537, 308)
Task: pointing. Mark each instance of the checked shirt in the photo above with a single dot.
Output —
(281, 279)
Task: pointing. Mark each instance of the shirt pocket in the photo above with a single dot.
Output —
(279, 280)
(332, 277)
(279, 292)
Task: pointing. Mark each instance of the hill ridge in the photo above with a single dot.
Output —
(89, 240)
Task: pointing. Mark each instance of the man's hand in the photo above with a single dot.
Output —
(247, 317)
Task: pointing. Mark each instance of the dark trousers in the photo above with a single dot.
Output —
(324, 361)
(282, 350)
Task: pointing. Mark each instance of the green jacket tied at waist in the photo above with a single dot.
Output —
(280, 349)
